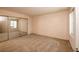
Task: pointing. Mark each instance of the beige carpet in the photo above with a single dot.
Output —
(35, 43)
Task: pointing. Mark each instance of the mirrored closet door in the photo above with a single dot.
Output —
(17, 27)
(3, 28)
(12, 27)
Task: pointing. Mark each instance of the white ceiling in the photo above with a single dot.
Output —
(33, 11)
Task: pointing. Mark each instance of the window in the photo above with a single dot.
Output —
(13, 24)
(2, 18)
(71, 16)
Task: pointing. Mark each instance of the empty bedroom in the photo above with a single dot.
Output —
(37, 29)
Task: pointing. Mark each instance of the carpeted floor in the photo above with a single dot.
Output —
(35, 43)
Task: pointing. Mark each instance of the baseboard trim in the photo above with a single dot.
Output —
(49, 36)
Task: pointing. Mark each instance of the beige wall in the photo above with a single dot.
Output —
(53, 25)
(30, 25)
(22, 25)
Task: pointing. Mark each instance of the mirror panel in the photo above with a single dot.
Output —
(17, 27)
(22, 26)
(12, 27)
(3, 28)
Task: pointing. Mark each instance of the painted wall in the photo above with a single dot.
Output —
(53, 25)
(30, 25)
(22, 25)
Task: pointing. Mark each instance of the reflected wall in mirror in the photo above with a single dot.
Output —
(22, 26)
(3, 28)
(12, 27)
(17, 27)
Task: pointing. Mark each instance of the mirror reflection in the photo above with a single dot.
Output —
(12, 27)
(3, 28)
